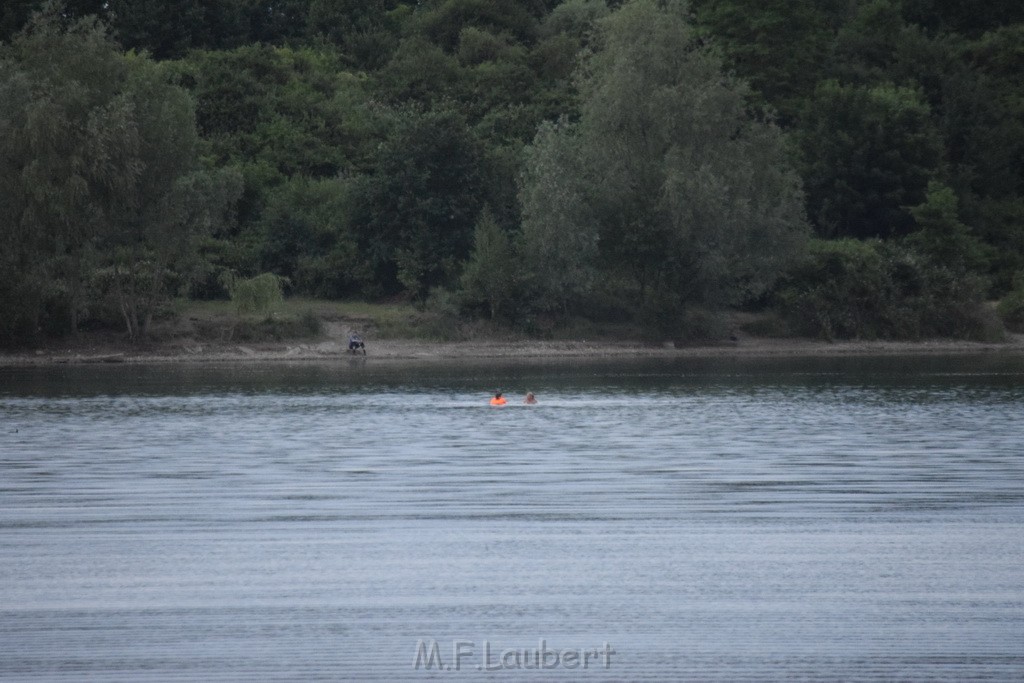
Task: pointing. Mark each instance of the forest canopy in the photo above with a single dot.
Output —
(533, 161)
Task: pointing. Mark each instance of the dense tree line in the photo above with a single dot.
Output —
(532, 159)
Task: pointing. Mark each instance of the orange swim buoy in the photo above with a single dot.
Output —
(498, 399)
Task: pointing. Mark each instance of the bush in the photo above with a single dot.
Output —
(837, 291)
(848, 289)
(1011, 308)
(489, 280)
(256, 294)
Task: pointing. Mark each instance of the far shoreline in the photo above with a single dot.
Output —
(406, 350)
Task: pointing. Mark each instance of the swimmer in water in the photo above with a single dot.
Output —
(530, 398)
(498, 399)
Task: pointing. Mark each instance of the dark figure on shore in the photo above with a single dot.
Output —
(355, 343)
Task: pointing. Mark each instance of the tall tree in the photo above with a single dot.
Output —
(490, 276)
(416, 211)
(692, 199)
(148, 238)
(940, 234)
(869, 153)
(779, 46)
(276, 114)
(66, 136)
(559, 240)
(984, 118)
(305, 233)
(100, 171)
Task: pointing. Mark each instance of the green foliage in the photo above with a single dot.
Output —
(986, 136)
(559, 240)
(150, 237)
(868, 154)
(294, 109)
(417, 210)
(969, 19)
(554, 60)
(686, 197)
(847, 289)
(779, 46)
(999, 225)
(1011, 307)
(306, 236)
(491, 277)
(102, 185)
(434, 322)
(838, 291)
(66, 142)
(366, 31)
(1011, 310)
(255, 294)
(499, 77)
(15, 14)
(574, 18)
(694, 197)
(276, 328)
(165, 29)
(866, 161)
(940, 234)
(419, 72)
(866, 46)
(987, 115)
(326, 148)
(284, 117)
(477, 46)
(444, 20)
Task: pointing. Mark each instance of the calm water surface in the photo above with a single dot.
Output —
(850, 519)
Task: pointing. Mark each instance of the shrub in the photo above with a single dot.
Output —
(848, 289)
(838, 291)
(489, 278)
(256, 294)
(1011, 308)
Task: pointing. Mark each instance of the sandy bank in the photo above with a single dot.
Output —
(418, 350)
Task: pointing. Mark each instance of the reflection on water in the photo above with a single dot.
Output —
(850, 519)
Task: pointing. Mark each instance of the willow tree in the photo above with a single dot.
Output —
(64, 134)
(164, 203)
(689, 198)
(102, 192)
(560, 235)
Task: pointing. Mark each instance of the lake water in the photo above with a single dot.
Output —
(843, 519)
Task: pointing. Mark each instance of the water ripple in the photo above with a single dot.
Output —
(709, 523)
